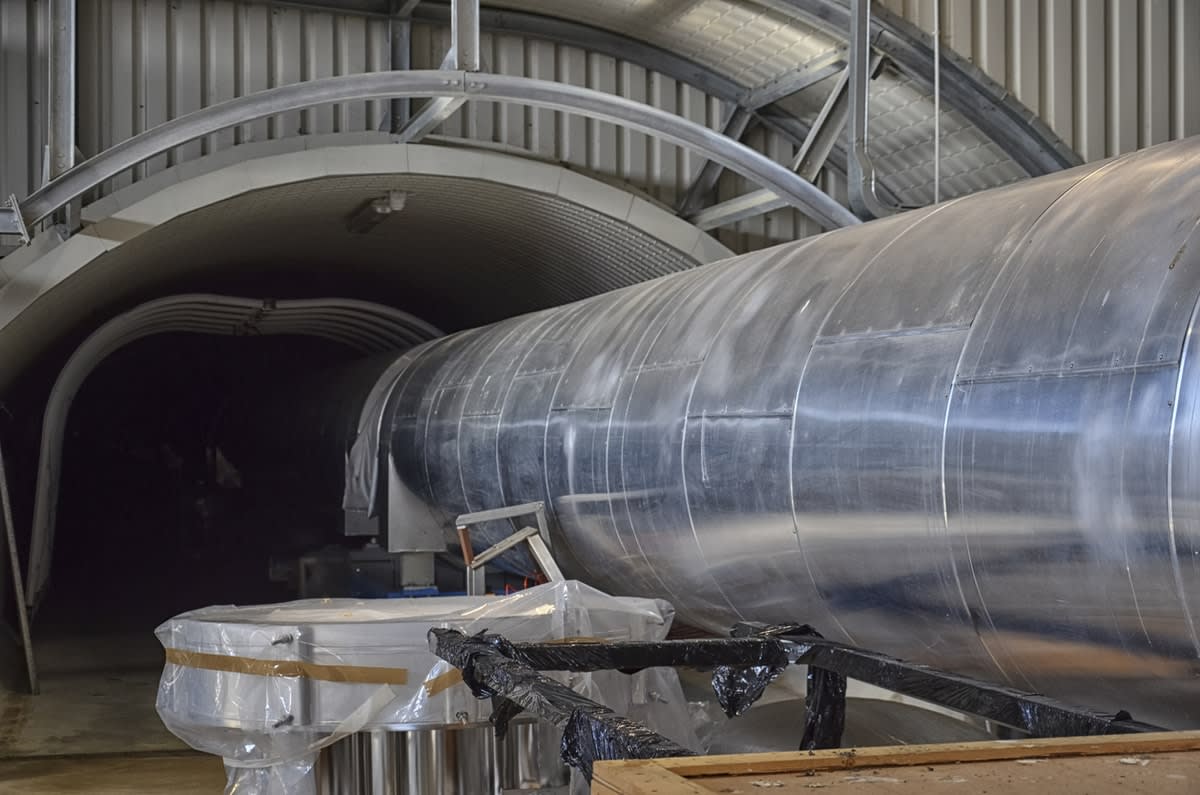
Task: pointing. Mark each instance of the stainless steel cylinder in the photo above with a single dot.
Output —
(967, 435)
(454, 760)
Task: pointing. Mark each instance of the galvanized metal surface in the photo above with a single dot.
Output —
(437, 85)
(463, 55)
(63, 77)
(861, 179)
(964, 435)
(216, 50)
(746, 41)
(150, 61)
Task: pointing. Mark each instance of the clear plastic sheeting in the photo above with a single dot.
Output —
(267, 687)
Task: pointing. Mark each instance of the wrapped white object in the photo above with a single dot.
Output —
(266, 687)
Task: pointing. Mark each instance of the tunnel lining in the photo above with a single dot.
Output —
(610, 237)
(30, 276)
(337, 319)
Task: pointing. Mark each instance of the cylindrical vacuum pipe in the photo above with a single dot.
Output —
(966, 435)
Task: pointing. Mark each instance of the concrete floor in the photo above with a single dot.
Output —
(97, 697)
(85, 713)
(93, 728)
(176, 773)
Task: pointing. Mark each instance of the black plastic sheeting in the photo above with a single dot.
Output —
(590, 736)
(737, 687)
(591, 731)
(825, 700)
(756, 653)
(824, 710)
(1033, 713)
(742, 666)
(634, 656)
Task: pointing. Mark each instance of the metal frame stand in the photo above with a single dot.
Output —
(538, 539)
(742, 665)
(18, 584)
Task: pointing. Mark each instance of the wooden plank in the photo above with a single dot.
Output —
(997, 750)
(641, 778)
(1152, 774)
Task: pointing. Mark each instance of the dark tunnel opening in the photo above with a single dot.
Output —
(162, 508)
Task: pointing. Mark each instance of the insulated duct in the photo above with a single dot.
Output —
(966, 435)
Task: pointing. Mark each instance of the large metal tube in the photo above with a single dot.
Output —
(966, 435)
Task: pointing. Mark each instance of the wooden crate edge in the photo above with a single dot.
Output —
(641, 777)
(904, 755)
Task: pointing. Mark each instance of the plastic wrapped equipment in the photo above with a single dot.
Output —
(267, 687)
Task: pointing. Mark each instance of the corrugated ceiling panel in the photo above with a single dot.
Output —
(749, 43)
(900, 141)
(1108, 76)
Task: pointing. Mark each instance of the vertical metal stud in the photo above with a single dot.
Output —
(18, 585)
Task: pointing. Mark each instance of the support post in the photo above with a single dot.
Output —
(463, 56)
(860, 177)
(18, 585)
(61, 112)
(464, 32)
(400, 30)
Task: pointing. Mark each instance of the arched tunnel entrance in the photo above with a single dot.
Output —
(158, 512)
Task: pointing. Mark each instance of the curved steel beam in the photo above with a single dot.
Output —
(988, 105)
(337, 319)
(982, 101)
(475, 85)
(647, 56)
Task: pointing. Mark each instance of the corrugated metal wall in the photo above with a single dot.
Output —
(1109, 76)
(142, 62)
(23, 94)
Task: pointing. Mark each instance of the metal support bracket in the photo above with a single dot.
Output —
(429, 118)
(860, 177)
(538, 539)
(562, 97)
(808, 162)
(11, 222)
(463, 56)
(710, 173)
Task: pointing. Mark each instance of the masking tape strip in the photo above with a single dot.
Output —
(355, 674)
(437, 684)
